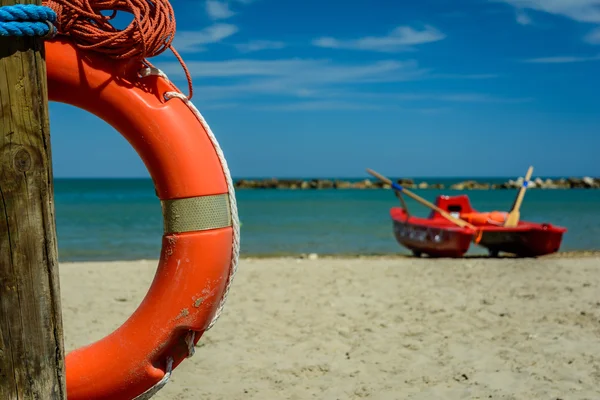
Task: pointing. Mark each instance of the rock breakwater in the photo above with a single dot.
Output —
(299, 184)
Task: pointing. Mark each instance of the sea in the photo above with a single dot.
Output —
(120, 219)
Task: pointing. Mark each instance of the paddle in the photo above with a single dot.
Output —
(395, 186)
(404, 205)
(514, 215)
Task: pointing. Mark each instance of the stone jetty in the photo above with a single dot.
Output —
(299, 184)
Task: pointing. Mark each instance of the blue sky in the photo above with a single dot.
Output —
(331, 87)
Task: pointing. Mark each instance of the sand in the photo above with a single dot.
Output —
(376, 328)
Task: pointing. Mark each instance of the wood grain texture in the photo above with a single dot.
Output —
(31, 331)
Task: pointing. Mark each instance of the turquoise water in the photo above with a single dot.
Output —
(121, 219)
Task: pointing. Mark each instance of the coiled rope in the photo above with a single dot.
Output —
(27, 20)
(149, 34)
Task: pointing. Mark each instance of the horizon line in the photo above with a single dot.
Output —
(336, 177)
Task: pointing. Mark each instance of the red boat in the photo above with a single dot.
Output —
(436, 237)
(527, 239)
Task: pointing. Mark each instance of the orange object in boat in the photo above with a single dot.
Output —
(200, 245)
(485, 218)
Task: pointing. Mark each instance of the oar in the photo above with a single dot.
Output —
(514, 215)
(448, 216)
(404, 205)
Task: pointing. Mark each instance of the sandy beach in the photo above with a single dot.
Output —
(377, 328)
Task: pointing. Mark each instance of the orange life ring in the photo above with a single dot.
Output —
(200, 244)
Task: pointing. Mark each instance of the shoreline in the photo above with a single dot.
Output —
(357, 256)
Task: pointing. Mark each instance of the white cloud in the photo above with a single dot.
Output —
(561, 59)
(332, 105)
(303, 69)
(298, 78)
(346, 100)
(399, 39)
(218, 9)
(257, 45)
(310, 84)
(477, 98)
(593, 37)
(587, 11)
(319, 105)
(578, 10)
(465, 76)
(448, 97)
(241, 67)
(194, 41)
(523, 18)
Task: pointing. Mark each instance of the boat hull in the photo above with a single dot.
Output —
(435, 239)
(524, 240)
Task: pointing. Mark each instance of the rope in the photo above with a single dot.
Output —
(27, 20)
(235, 254)
(160, 384)
(149, 34)
(150, 392)
(27, 12)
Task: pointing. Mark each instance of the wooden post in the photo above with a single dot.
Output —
(31, 331)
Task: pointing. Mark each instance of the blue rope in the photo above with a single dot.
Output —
(27, 20)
